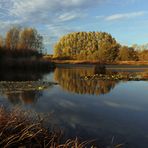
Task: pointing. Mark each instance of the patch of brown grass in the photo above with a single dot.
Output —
(132, 62)
(56, 61)
(18, 129)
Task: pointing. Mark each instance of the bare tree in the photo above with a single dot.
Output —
(12, 38)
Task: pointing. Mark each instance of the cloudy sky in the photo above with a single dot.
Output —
(126, 20)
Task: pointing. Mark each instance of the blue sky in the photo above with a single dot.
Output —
(126, 20)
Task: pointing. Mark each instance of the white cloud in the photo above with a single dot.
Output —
(27, 7)
(44, 11)
(59, 30)
(70, 16)
(121, 16)
(52, 13)
(24, 8)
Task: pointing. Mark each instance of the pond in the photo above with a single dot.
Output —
(109, 111)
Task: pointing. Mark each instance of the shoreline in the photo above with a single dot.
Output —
(88, 62)
(108, 66)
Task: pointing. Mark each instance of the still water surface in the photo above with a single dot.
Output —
(93, 109)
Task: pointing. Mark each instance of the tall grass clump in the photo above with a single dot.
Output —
(19, 129)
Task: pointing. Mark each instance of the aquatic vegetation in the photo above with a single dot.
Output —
(11, 86)
(24, 91)
(117, 76)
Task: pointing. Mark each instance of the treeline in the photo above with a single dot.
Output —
(142, 51)
(99, 46)
(21, 49)
(21, 43)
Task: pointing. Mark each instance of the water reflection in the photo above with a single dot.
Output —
(120, 113)
(70, 80)
(22, 75)
(25, 97)
(23, 87)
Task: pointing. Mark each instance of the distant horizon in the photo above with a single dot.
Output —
(125, 20)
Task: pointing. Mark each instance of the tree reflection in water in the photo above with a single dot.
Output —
(23, 87)
(70, 79)
(24, 97)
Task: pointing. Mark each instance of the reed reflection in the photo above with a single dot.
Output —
(25, 97)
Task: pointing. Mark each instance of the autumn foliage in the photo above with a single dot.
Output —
(21, 43)
(96, 46)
